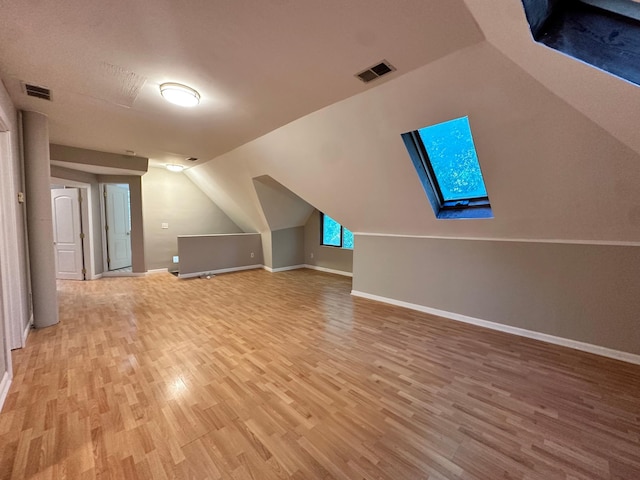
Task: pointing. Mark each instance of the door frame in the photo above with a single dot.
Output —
(105, 249)
(78, 227)
(86, 209)
(12, 310)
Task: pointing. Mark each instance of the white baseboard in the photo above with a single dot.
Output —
(27, 329)
(157, 270)
(283, 269)
(215, 272)
(123, 274)
(565, 342)
(97, 276)
(329, 270)
(5, 383)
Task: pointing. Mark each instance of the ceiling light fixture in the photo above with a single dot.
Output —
(180, 94)
(175, 168)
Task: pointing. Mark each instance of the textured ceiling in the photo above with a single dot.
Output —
(258, 64)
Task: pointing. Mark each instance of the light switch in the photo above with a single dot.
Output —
(165, 225)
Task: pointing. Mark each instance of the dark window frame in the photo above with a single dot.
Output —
(322, 215)
(472, 207)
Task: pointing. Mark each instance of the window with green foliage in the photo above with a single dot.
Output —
(334, 234)
(447, 164)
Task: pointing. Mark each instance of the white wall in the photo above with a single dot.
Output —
(14, 301)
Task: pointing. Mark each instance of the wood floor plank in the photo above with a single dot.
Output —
(281, 376)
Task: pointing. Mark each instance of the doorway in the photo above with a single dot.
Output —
(117, 228)
(68, 233)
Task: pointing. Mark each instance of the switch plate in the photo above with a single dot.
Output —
(165, 225)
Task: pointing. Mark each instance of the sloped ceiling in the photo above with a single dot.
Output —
(282, 208)
(257, 64)
(551, 172)
(556, 138)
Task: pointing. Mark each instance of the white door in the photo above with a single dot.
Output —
(67, 233)
(118, 226)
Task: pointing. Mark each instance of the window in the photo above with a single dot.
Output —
(602, 33)
(447, 164)
(334, 234)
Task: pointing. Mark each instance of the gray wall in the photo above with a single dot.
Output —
(587, 293)
(209, 253)
(287, 247)
(173, 198)
(340, 259)
(132, 165)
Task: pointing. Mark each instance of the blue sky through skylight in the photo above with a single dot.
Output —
(454, 160)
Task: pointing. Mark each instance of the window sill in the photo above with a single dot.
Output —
(465, 213)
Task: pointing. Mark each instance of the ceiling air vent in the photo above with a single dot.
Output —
(192, 159)
(376, 71)
(37, 91)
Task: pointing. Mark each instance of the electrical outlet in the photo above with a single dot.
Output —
(311, 254)
(165, 225)
(252, 255)
(176, 259)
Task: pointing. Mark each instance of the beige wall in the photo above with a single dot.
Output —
(551, 173)
(587, 293)
(172, 198)
(212, 253)
(340, 259)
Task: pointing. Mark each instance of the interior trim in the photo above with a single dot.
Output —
(5, 383)
(612, 243)
(222, 270)
(283, 269)
(522, 332)
(329, 270)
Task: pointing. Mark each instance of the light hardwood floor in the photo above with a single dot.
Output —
(266, 376)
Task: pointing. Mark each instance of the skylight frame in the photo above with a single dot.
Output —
(470, 207)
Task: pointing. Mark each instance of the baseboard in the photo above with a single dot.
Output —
(5, 383)
(283, 269)
(27, 329)
(215, 272)
(157, 270)
(565, 342)
(329, 270)
(123, 274)
(97, 276)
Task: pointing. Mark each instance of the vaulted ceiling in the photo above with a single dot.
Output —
(557, 139)
(257, 64)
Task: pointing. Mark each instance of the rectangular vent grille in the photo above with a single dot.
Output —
(376, 71)
(192, 159)
(38, 92)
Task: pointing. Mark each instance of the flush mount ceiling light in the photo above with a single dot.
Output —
(175, 168)
(180, 94)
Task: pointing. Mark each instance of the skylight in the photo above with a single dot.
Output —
(602, 33)
(447, 164)
(453, 157)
